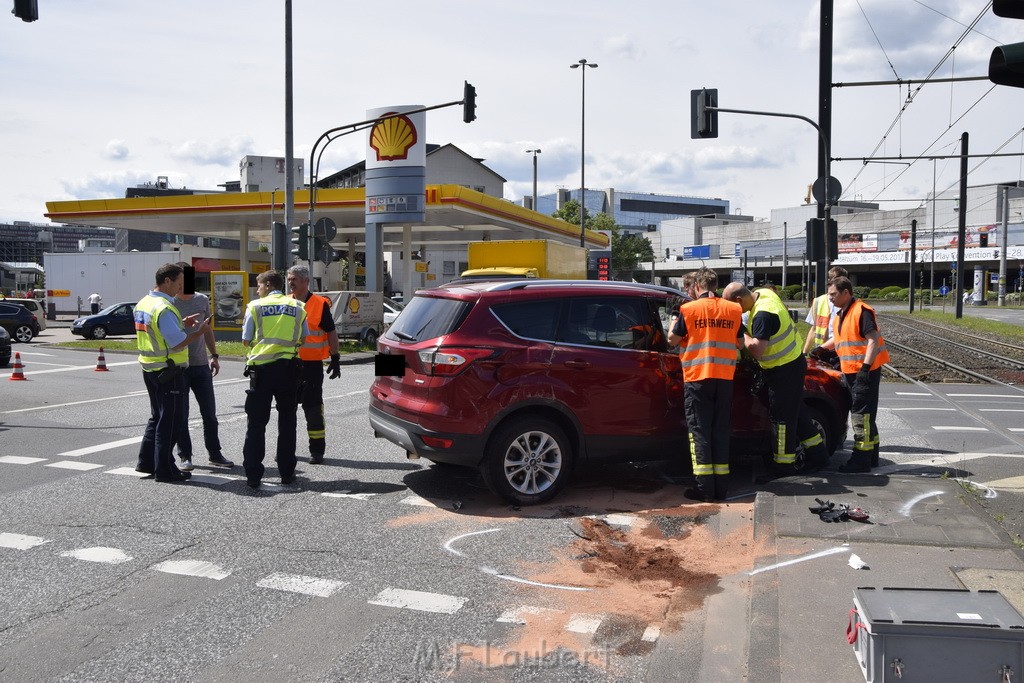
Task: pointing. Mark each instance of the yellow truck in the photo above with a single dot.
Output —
(526, 258)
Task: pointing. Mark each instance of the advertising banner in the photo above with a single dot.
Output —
(230, 295)
(857, 242)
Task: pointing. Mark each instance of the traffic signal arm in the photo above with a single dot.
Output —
(1006, 65)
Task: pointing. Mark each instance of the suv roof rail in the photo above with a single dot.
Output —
(612, 284)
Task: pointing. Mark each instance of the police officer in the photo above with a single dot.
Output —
(707, 329)
(163, 352)
(321, 341)
(771, 339)
(273, 329)
(862, 353)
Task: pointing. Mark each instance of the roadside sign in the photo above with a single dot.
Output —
(943, 290)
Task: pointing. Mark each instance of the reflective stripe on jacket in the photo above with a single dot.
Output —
(822, 309)
(783, 346)
(712, 325)
(153, 349)
(850, 345)
(278, 328)
(315, 347)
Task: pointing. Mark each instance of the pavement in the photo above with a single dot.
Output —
(923, 532)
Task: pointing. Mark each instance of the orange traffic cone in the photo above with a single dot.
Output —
(19, 373)
(101, 363)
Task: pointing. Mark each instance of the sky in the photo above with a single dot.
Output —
(98, 96)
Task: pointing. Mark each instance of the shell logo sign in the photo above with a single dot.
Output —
(392, 138)
(353, 305)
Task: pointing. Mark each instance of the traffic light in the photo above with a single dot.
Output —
(1006, 65)
(816, 236)
(704, 113)
(300, 238)
(26, 10)
(468, 102)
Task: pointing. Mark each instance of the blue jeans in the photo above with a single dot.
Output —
(198, 378)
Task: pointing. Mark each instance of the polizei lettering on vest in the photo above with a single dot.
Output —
(278, 309)
(713, 322)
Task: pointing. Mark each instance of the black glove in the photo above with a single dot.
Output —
(815, 353)
(334, 367)
(864, 374)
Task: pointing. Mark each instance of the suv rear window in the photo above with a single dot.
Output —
(536, 319)
(428, 317)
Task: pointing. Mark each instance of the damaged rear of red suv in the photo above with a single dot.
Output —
(524, 379)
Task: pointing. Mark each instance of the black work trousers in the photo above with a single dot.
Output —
(790, 425)
(161, 432)
(277, 382)
(313, 405)
(708, 404)
(863, 414)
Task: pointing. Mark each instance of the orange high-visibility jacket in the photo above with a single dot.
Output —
(315, 347)
(850, 345)
(712, 325)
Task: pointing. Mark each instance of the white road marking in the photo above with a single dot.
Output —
(130, 394)
(516, 579)
(986, 491)
(361, 392)
(418, 600)
(73, 465)
(98, 554)
(100, 447)
(417, 500)
(20, 541)
(37, 353)
(514, 616)
(215, 479)
(20, 459)
(206, 570)
(615, 519)
(1000, 410)
(898, 410)
(448, 544)
(1017, 429)
(307, 585)
(583, 623)
(348, 494)
(812, 556)
(651, 634)
(958, 428)
(905, 508)
(912, 393)
(129, 471)
(1013, 484)
(81, 367)
(985, 395)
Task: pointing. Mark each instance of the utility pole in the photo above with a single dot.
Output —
(825, 128)
(281, 261)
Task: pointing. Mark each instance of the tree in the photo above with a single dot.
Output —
(628, 250)
(570, 212)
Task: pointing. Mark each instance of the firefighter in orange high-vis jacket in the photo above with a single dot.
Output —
(707, 331)
(321, 343)
(862, 353)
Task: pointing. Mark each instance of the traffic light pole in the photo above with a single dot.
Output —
(822, 268)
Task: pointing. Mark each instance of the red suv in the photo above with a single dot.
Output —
(523, 379)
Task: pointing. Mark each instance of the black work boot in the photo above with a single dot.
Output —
(858, 463)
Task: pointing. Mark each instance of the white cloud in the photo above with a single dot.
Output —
(117, 149)
(214, 152)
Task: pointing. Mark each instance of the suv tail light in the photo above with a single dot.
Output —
(451, 361)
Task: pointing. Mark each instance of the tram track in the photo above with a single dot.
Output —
(946, 355)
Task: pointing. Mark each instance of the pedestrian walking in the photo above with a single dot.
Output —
(707, 331)
(198, 379)
(94, 303)
(273, 328)
(162, 342)
(770, 338)
(319, 344)
(821, 314)
(862, 353)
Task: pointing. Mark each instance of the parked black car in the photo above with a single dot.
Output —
(5, 348)
(20, 323)
(113, 320)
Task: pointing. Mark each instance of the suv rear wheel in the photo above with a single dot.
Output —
(23, 333)
(528, 461)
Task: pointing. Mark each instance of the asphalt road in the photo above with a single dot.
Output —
(373, 567)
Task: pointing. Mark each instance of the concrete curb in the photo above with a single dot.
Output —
(764, 655)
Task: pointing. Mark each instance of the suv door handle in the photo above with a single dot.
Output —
(577, 364)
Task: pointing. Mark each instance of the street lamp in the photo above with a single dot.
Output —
(583, 135)
(535, 152)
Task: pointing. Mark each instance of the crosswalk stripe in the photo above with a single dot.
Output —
(100, 447)
(958, 428)
(215, 479)
(307, 585)
(348, 494)
(73, 465)
(20, 459)
(20, 541)
(651, 634)
(99, 554)
(206, 570)
(417, 500)
(515, 616)
(418, 600)
(127, 471)
(583, 623)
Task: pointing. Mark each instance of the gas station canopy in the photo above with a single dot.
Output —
(455, 215)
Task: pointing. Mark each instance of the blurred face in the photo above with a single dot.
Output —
(262, 289)
(839, 298)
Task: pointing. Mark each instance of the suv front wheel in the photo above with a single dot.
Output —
(528, 460)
